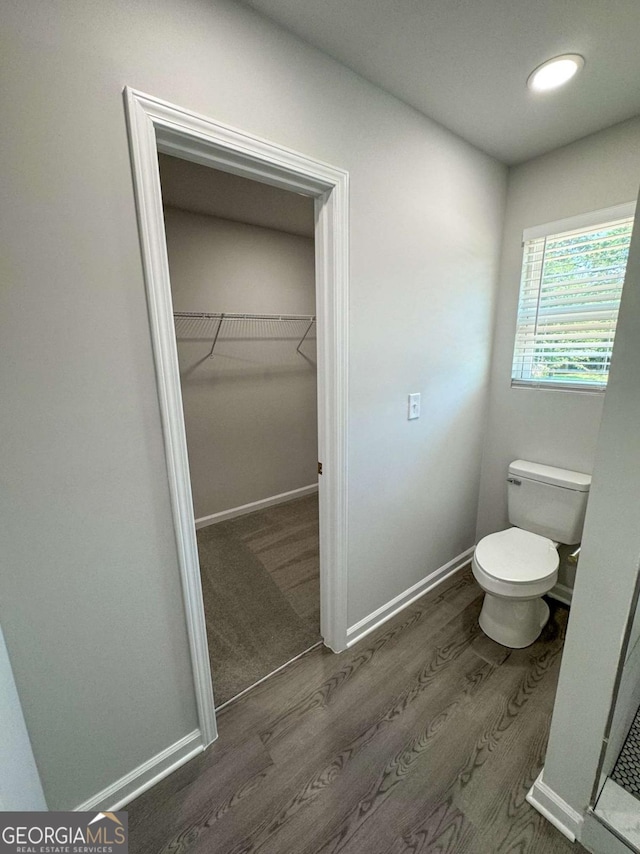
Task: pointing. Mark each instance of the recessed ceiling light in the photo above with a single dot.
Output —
(555, 72)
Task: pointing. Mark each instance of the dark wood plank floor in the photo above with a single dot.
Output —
(424, 737)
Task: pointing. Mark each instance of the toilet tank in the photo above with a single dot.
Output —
(548, 501)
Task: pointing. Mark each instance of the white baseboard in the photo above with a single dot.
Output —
(562, 593)
(124, 790)
(385, 612)
(256, 505)
(555, 809)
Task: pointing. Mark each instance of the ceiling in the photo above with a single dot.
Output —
(465, 63)
(203, 190)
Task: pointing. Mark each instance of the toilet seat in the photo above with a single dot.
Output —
(517, 556)
(516, 564)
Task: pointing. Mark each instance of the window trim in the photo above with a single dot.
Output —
(580, 221)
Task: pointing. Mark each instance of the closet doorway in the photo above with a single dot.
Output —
(242, 268)
(157, 127)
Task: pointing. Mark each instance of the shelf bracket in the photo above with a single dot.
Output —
(305, 334)
(215, 338)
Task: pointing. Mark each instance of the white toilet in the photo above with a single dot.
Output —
(516, 567)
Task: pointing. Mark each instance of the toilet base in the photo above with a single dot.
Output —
(512, 622)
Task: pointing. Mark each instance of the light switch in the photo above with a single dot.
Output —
(414, 406)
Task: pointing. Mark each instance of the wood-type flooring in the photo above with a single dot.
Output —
(423, 737)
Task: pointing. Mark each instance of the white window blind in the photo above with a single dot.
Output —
(569, 298)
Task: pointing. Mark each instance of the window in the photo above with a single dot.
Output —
(572, 277)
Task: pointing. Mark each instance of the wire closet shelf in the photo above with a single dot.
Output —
(209, 324)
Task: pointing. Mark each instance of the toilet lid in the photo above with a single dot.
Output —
(516, 556)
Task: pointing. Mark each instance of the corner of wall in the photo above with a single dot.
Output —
(556, 810)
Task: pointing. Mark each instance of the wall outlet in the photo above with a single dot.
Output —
(414, 406)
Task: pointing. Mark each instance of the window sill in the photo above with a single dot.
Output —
(540, 386)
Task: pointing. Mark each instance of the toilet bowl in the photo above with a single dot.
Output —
(515, 568)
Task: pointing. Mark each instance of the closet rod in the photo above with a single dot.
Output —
(223, 316)
(217, 315)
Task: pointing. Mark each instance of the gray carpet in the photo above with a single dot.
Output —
(260, 580)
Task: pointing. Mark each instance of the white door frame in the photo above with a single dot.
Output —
(155, 125)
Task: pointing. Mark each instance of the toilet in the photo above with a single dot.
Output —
(516, 567)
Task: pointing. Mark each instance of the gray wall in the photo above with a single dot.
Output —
(628, 693)
(555, 427)
(250, 411)
(607, 571)
(626, 708)
(200, 189)
(91, 602)
(20, 787)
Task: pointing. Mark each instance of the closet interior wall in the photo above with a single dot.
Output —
(250, 409)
